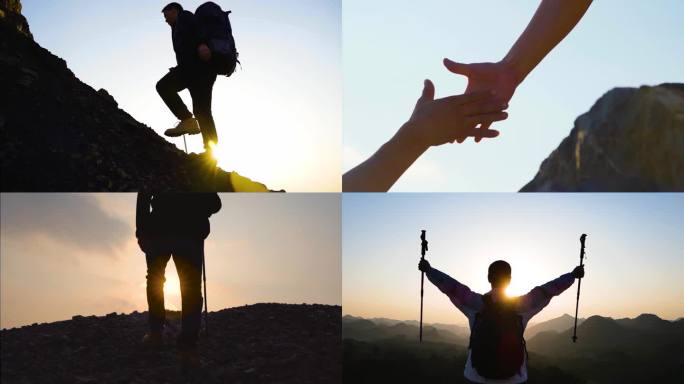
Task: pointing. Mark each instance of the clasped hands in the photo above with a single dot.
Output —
(455, 118)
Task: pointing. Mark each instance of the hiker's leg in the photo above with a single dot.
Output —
(187, 255)
(156, 264)
(201, 91)
(168, 88)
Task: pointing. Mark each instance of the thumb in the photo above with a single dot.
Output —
(459, 68)
(428, 91)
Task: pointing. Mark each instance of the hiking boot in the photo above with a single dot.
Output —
(188, 126)
(153, 339)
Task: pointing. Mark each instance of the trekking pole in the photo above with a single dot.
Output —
(204, 276)
(185, 144)
(579, 284)
(423, 249)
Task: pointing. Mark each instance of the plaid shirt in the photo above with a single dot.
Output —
(470, 303)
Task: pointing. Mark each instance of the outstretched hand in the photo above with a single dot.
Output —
(578, 272)
(453, 118)
(497, 77)
(424, 266)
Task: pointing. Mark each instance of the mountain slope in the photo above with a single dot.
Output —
(558, 324)
(59, 134)
(632, 139)
(257, 343)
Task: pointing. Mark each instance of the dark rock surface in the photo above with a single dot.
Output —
(262, 343)
(632, 139)
(59, 134)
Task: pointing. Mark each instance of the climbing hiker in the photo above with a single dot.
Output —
(204, 47)
(497, 352)
(175, 225)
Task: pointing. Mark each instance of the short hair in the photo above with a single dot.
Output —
(499, 271)
(171, 6)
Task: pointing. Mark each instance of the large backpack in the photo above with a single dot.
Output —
(216, 26)
(497, 346)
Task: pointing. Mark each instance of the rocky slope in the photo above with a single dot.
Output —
(632, 139)
(262, 343)
(59, 134)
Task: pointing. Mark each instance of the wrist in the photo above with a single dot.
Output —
(515, 68)
(406, 139)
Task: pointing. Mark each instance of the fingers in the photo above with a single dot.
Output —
(428, 91)
(458, 68)
(485, 119)
(484, 106)
(468, 98)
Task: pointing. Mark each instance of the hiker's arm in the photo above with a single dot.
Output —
(552, 21)
(200, 37)
(433, 123)
(463, 298)
(142, 213)
(539, 297)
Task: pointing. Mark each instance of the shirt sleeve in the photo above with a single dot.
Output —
(539, 297)
(142, 214)
(463, 298)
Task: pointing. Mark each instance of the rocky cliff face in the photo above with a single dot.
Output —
(632, 139)
(59, 134)
(262, 343)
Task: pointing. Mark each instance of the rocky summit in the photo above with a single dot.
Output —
(261, 343)
(630, 140)
(59, 134)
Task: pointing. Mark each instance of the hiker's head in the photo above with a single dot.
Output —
(171, 12)
(499, 274)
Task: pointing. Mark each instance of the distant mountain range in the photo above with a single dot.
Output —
(645, 349)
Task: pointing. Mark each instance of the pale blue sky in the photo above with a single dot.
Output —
(635, 250)
(69, 254)
(278, 118)
(391, 46)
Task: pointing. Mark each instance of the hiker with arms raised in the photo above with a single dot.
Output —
(497, 352)
(175, 225)
(204, 47)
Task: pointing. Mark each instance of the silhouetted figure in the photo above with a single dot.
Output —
(175, 227)
(497, 322)
(193, 72)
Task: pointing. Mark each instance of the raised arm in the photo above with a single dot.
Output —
(433, 123)
(539, 297)
(463, 298)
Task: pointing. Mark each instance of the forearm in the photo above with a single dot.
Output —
(458, 293)
(384, 167)
(552, 21)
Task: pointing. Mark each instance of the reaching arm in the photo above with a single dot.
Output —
(552, 21)
(433, 123)
(463, 298)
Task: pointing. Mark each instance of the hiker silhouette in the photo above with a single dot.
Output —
(497, 322)
(204, 47)
(176, 226)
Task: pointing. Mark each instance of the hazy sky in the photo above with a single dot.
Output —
(635, 250)
(278, 118)
(391, 46)
(68, 254)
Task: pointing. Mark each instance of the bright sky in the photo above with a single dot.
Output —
(390, 47)
(278, 118)
(68, 254)
(634, 250)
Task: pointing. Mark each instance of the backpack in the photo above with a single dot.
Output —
(497, 346)
(216, 26)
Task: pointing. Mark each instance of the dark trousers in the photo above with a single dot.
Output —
(187, 256)
(200, 85)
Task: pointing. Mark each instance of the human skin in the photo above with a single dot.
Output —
(551, 23)
(433, 123)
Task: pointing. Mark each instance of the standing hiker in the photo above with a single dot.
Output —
(175, 227)
(194, 72)
(497, 322)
